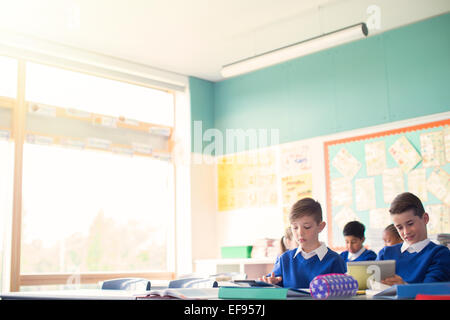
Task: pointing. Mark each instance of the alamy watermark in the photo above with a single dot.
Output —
(231, 141)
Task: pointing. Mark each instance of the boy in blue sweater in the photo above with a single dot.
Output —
(417, 259)
(297, 267)
(354, 239)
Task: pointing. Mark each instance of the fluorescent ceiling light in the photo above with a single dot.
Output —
(296, 50)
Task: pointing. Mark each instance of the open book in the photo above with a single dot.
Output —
(180, 293)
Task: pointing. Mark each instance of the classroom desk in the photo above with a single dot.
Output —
(98, 294)
(81, 294)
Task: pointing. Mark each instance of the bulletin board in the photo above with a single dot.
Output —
(364, 173)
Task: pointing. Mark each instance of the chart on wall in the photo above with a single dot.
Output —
(247, 180)
(296, 176)
(365, 173)
(273, 177)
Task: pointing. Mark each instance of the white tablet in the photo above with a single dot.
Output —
(364, 271)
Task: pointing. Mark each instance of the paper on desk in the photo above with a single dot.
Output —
(375, 287)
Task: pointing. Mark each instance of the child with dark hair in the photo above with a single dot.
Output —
(354, 239)
(417, 259)
(296, 268)
(391, 236)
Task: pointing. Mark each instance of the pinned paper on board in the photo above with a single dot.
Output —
(379, 218)
(294, 158)
(346, 164)
(438, 184)
(341, 192)
(439, 218)
(344, 216)
(417, 183)
(447, 143)
(365, 194)
(404, 154)
(432, 148)
(392, 184)
(375, 155)
(296, 188)
(247, 180)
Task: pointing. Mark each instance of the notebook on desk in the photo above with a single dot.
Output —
(410, 291)
(261, 293)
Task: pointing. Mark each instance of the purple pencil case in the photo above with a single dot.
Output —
(329, 285)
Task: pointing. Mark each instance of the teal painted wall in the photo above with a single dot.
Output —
(396, 75)
(202, 106)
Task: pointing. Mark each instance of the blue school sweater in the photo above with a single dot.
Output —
(365, 256)
(298, 272)
(432, 264)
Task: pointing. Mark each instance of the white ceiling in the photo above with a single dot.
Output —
(197, 37)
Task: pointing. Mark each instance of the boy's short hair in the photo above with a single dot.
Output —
(355, 229)
(306, 207)
(407, 201)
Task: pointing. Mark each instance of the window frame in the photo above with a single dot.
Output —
(18, 135)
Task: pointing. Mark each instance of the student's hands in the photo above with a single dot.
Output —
(396, 279)
(272, 279)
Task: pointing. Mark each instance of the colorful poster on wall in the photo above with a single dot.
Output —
(247, 180)
(438, 184)
(447, 143)
(346, 164)
(404, 154)
(294, 159)
(296, 188)
(341, 192)
(432, 148)
(375, 155)
(379, 218)
(293, 189)
(439, 219)
(417, 183)
(344, 216)
(365, 194)
(392, 184)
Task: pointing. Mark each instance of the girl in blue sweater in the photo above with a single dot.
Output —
(417, 258)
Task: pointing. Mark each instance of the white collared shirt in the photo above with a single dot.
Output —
(353, 256)
(415, 247)
(320, 251)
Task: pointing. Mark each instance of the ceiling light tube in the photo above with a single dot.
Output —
(296, 50)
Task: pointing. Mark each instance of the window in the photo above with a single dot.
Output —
(8, 77)
(98, 182)
(8, 85)
(94, 211)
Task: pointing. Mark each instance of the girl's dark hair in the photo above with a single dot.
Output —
(354, 228)
(392, 229)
